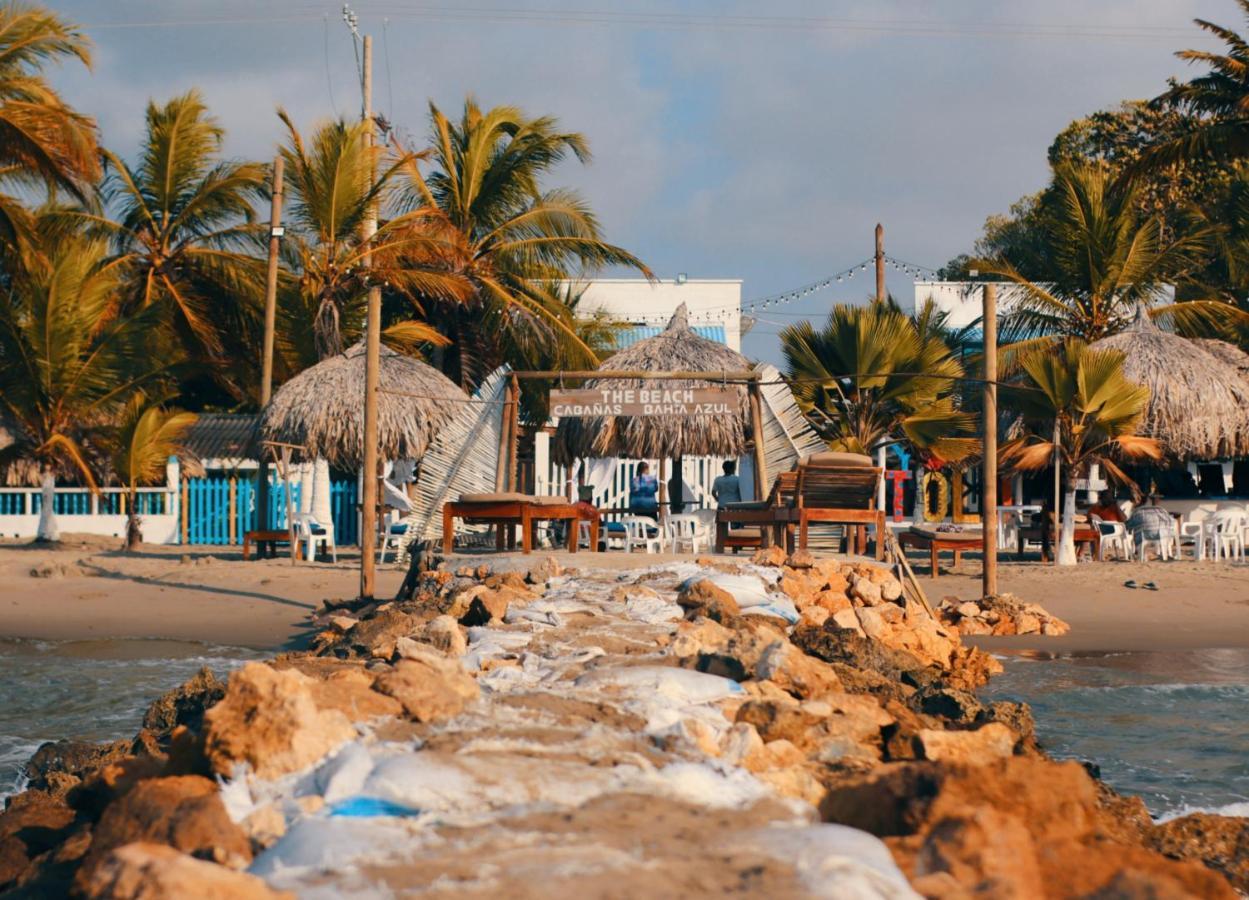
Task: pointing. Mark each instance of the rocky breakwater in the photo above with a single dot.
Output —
(789, 727)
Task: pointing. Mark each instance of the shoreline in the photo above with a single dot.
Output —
(90, 591)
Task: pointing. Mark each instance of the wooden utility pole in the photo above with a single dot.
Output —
(880, 263)
(266, 362)
(988, 491)
(372, 361)
(756, 428)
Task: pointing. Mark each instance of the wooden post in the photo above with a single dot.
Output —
(988, 490)
(184, 509)
(372, 361)
(513, 446)
(232, 524)
(266, 360)
(663, 491)
(756, 427)
(880, 263)
(505, 442)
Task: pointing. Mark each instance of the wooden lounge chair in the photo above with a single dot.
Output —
(759, 522)
(839, 488)
(506, 510)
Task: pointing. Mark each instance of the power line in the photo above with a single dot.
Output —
(329, 81)
(390, 93)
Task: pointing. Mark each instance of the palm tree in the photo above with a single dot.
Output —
(182, 234)
(873, 374)
(1096, 409)
(146, 436)
(1220, 96)
(1106, 258)
(513, 239)
(69, 364)
(335, 180)
(42, 140)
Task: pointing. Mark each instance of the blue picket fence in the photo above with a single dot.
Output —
(78, 503)
(208, 509)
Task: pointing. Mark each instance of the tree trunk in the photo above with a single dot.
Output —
(48, 529)
(134, 528)
(1066, 549)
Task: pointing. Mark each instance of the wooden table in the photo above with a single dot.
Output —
(266, 540)
(936, 542)
(506, 515)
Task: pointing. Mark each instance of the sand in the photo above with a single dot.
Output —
(92, 591)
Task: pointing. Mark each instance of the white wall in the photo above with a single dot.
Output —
(964, 301)
(710, 301)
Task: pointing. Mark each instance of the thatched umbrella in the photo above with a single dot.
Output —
(322, 408)
(676, 349)
(1198, 404)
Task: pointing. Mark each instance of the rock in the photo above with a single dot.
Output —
(445, 634)
(985, 848)
(705, 598)
(270, 720)
(699, 635)
(349, 690)
(147, 871)
(847, 618)
(740, 745)
(890, 589)
(184, 812)
(543, 571)
(973, 627)
(376, 637)
(800, 559)
(430, 685)
(872, 622)
(343, 624)
(185, 704)
(833, 600)
(985, 744)
(58, 766)
(488, 606)
(865, 590)
(814, 616)
(33, 823)
(265, 827)
(1220, 842)
(794, 671)
(958, 707)
(968, 610)
(1027, 623)
(773, 556)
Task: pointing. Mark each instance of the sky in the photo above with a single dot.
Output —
(731, 140)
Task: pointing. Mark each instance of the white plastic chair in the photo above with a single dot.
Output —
(1194, 529)
(312, 532)
(687, 529)
(638, 534)
(1113, 536)
(1228, 533)
(1166, 544)
(610, 540)
(396, 535)
(1007, 529)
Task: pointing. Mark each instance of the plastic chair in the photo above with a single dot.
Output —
(1194, 529)
(1008, 523)
(638, 534)
(1113, 536)
(396, 535)
(308, 529)
(1228, 533)
(1166, 543)
(687, 529)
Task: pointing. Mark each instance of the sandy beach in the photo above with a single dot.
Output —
(85, 589)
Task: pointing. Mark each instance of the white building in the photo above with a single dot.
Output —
(964, 301)
(714, 305)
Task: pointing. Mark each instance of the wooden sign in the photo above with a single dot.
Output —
(646, 401)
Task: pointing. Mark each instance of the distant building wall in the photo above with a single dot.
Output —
(964, 302)
(710, 302)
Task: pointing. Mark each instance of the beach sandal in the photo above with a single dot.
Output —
(1130, 583)
(1150, 586)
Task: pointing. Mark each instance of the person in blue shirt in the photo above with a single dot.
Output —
(643, 491)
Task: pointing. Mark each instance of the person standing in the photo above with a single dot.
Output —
(643, 493)
(728, 487)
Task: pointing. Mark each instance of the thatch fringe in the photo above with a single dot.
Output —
(1198, 405)
(462, 458)
(787, 434)
(676, 349)
(322, 408)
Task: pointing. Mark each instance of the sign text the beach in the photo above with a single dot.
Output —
(646, 401)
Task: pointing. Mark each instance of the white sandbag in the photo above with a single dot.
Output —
(778, 606)
(747, 590)
(326, 844)
(701, 784)
(835, 861)
(420, 782)
(682, 686)
(344, 773)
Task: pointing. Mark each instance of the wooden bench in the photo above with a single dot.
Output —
(267, 540)
(937, 541)
(839, 494)
(760, 523)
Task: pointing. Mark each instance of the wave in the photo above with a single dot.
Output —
(1239, 809)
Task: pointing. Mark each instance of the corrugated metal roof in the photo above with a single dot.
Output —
(628, 336)
(222, 436)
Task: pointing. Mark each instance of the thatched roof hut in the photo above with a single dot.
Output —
(676, 349)
(322, 408)
(1231, 354)
(1198, 404)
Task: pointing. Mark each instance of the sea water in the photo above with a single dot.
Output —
(89, 690)
(1170, 727)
